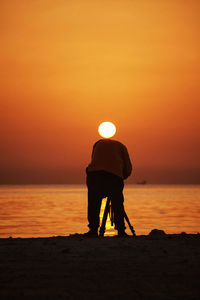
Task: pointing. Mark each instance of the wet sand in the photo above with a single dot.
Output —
(157, 266)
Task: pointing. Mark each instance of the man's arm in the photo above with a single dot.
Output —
(127, 167)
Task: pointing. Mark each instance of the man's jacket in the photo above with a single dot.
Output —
(111, 156)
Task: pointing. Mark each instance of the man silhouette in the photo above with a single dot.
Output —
(109, 166)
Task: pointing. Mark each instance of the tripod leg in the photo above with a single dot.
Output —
(105, 215)
(129, 224)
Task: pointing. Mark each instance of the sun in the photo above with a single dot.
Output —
(107, 129)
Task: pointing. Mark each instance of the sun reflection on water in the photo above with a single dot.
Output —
(109, 228)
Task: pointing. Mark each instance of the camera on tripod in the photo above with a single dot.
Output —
(109, 211)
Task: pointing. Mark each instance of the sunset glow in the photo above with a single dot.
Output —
(66, 65)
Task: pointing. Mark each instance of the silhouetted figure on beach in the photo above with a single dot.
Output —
(109, 166)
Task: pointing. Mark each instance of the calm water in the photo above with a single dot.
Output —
(47, 210)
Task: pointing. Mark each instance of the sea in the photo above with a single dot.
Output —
(28, 211)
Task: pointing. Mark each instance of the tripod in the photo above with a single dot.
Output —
(108, 210)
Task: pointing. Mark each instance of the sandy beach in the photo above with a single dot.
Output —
(156, 266)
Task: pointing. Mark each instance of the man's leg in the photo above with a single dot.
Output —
(95, 195)
(117, 202)
(94, 206)
(118, 208)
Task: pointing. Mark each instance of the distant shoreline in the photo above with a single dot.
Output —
(81, 184)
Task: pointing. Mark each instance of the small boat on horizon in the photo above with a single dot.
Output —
(142, 182)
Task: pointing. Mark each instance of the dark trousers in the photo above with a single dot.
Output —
(100, 185)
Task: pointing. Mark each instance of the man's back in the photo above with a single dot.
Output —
(111, 156)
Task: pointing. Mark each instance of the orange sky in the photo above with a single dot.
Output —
(66, 66)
